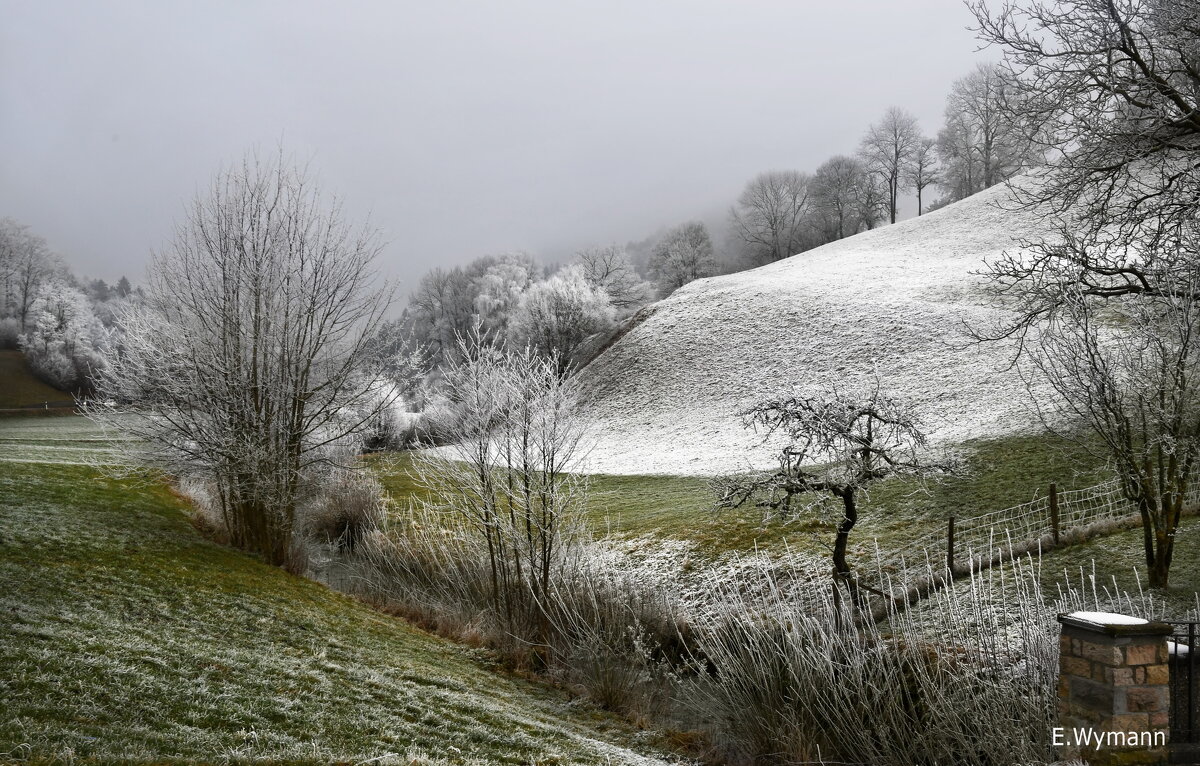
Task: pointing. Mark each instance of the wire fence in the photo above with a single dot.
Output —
(967, 541)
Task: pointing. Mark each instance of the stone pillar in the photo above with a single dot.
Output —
(1113, 689)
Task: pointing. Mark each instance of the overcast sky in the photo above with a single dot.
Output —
(462, 128)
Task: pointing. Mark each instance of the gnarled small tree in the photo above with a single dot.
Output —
(838, 443)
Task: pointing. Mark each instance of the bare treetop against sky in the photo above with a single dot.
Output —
(461, 128)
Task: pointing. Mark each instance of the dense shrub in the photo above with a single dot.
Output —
(347, 507)
(64, 342)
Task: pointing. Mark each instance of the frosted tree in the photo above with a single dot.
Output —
(888, 149)
(610, 269)
(557, 316)
(771, 217)
(1106, 308)
(510, 479)
(838, 442)
(65, 342)
(1113, 90)
(499, 289)
(923, 170)
(684, 254)
(836, 191)
(981, 144)
(449, 303)
(245, 365)
(25, 264)
(870, 200)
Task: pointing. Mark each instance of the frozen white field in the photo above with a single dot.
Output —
(665, 397)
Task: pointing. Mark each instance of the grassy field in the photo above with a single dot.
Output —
(70, 439)
(129, 637)
(1120, 556)
(19, 388)
(997, 474)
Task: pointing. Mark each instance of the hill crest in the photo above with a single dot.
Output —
(665, 397)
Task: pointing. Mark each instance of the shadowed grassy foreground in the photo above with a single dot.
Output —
(126, 636)
(18, 386)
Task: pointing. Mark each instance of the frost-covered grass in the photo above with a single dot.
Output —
(998, 473)
(65, 439)
(18, 386)
(126, 636)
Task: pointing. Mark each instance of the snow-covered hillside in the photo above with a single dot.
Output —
(665, 397)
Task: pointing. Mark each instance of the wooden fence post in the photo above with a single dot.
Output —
(1054, 511)
(950, 546)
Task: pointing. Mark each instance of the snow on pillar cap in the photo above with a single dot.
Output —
(1113, 624)
(1108, 618)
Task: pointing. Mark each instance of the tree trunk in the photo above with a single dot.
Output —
(841, 570)
(1160, 566)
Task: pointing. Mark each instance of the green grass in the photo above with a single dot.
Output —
(67, 439)
(126, 636)
(1121, 556)
(999, 473)
(18, 386)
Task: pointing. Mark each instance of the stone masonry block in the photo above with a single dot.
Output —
(1146, 699)
(1076, 666)
(1092, 695)
(1142, 654)
(1119, 676)
(1105, 654)
(1157, 674)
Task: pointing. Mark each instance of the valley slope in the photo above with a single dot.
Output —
(665, 397)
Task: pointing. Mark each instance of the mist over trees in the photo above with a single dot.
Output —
(779, 213)
(771, 219)
(888, 150)
(685, 254)
(838, 192)
(981, 144)
(555, 317)
(611, 269)
(64, 324)
(512, 301)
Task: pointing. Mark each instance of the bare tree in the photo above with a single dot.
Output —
(836, 186)
(1111, 90)
(508, 475)
(982, 143)
(923, 170)
(25, 263)
(248, 355)
(1128, 366)
(611, 269)
(838, 443)
(1106, 308)
(771, 216)
(870, 200)
(684, 254)
(888, 151)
